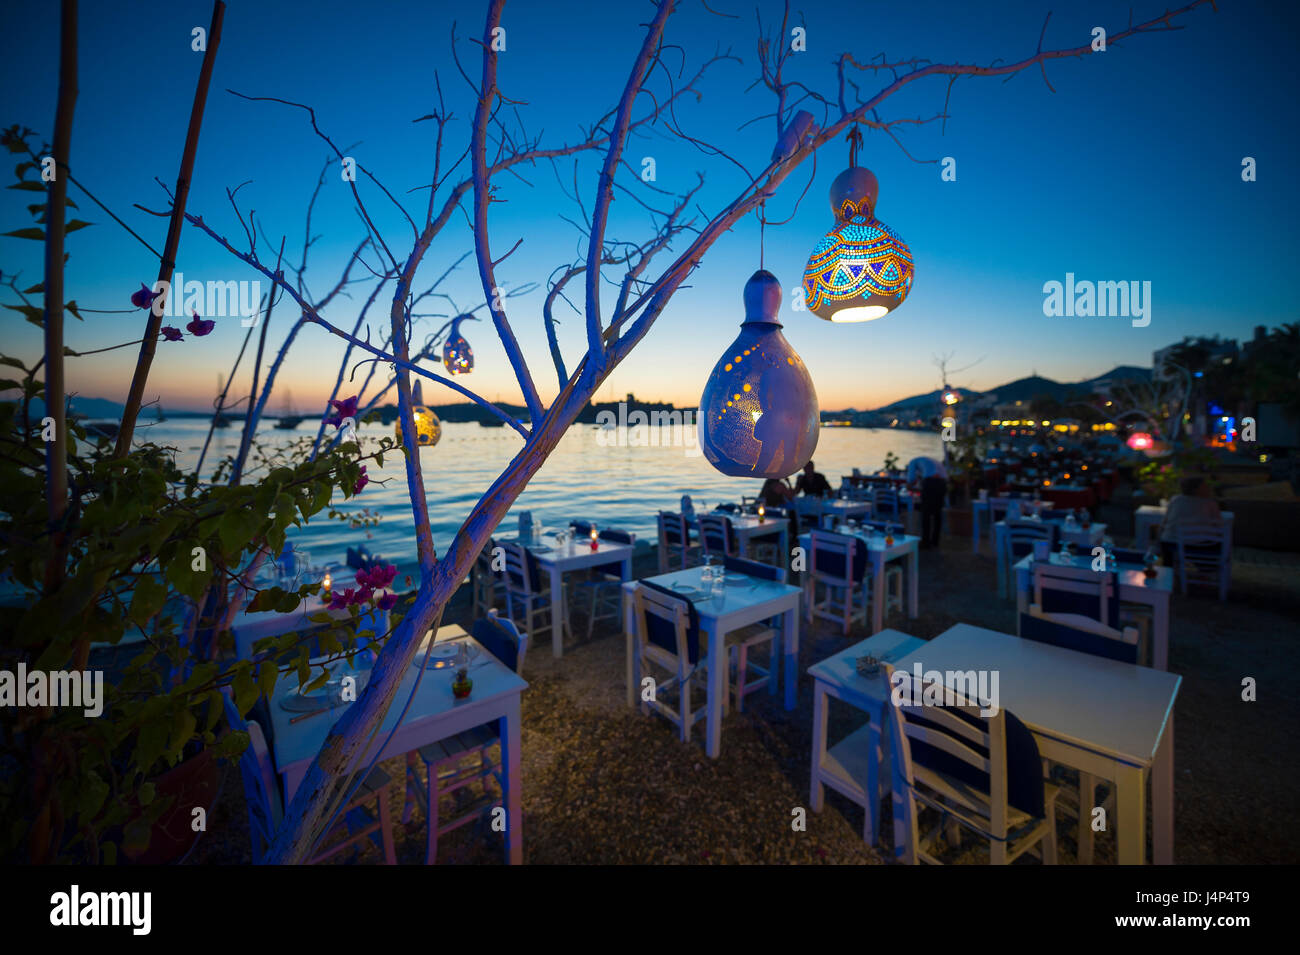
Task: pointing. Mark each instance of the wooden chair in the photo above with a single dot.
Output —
(741, 642)
(1079, 591)
(460, 760)
(675, 541)
(884, 503)
(717, 536)
(981, 773)
(666, 633)
(1204, 555)
(1083, 635)
(524, 593)
(365, 816)
(839, 563)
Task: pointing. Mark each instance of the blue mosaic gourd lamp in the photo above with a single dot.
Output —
(758, 415)
(457, 356)
(861, 269)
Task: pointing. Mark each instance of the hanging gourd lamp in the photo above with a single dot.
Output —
(457, 356)
(758, 415)
(861, 269)
(428, 429)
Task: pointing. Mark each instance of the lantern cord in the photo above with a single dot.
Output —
(855, 140)
(762, 227)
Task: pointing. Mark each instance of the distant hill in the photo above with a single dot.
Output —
(93, 408)
(1022, 389)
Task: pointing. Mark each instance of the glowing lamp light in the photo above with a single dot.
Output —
(759, 415)
(762, 513)
(949, 421)
(325, 586)
(457, 356)
(595, 539)
(951, 397)
(1140, 441)
(428, 429)
(862, 269)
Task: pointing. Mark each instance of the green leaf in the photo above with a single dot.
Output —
(147, 793)
(93, 793)
(29, 233)
(245, 687)
(72, 307)
(29, 185)
(76, 224)
(148, 599)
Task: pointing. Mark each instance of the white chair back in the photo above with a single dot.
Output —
(1203, 550)
(1080, 581)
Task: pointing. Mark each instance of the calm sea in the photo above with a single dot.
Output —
(590, 475)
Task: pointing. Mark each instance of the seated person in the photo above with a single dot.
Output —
(776, 492)
(812, 483)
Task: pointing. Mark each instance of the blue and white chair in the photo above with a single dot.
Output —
(666, 633)
(838, 563)
(366, 816)
(884, 503)
(1204, 555)
(1083, 635)
(453, 763)
(675, 542)
(717, 536)
(488, 586)
(981, 773)
(741, 642)
(526, 598)
(605, 583)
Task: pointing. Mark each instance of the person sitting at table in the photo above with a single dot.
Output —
(1195, 505)
(812, 483)
(776, 492)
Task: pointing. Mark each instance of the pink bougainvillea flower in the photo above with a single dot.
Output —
(172, 334)
(344, 599)
(387, 601)
(364, 595)
(362, 481)
(347, 408)
(200, 327)
(143, 298)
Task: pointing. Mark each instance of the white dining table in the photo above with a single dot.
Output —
(749, 527)
(1111, 719)
(744, 600)
(905, 548)
(1134, 587)
(852, 767)
(434, 714)
(1081, 537)
(1148, 518)
(556, 560)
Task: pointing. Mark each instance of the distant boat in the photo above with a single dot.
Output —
(288, 420)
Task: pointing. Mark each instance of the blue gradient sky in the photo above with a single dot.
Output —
(1129, 171)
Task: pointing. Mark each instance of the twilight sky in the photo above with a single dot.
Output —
(1130, 171)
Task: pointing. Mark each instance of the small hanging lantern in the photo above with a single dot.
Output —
(862, 269)
(758, 415)
(428, 429)
(457, 356)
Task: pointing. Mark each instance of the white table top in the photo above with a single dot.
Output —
(841, 669)
(903, 543)
(1128, 575)
(1117, 709)
(299, 741)
(248, 628)
(748, 595)
(576, 553)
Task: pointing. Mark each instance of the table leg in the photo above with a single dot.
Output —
(559, 612)
(717, 687)
(1022, 591)
(633, 664)
(790, 637)
(1130, 815)
(877, 591)
(785, 544)
(913, 583)
(1160, 632)
(975, 528)
(1000, 557)
(817, 798)
(1162, 799)
(510, 760)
